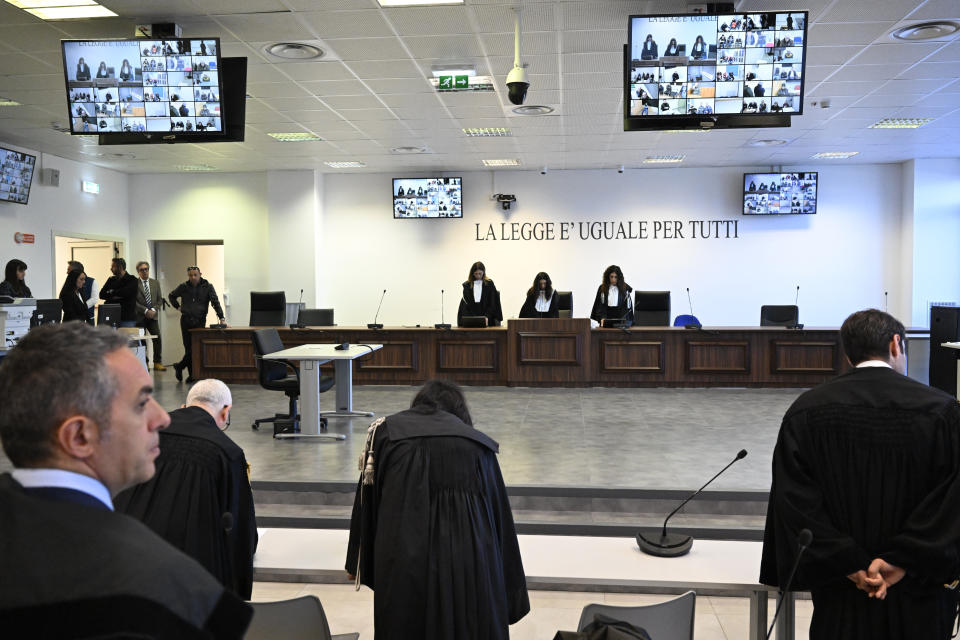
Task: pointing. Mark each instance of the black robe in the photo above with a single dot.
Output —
(529, 308)
(622, 312)
(74, 308)
(489, 304)
(870, 463)
(71, 568)
(434, 533)
(200, 499)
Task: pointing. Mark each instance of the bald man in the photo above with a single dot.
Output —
(200, 499)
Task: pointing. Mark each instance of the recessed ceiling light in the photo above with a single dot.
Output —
(834, 155)
(294, 50)
(504, 162)
(296, 137)
(408, 150)
(41, 4)
(766, 143)
(351, 164)
(72, 13)
(664, 159)
(7, 102)
(926, 31)
(487, 132)
(415, 3)
(194, 167)
(453, 69)
(900, 123)
(533, 110)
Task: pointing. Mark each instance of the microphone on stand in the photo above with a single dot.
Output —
(374, 325)
(796, 299)
(885, 306)
(672, 545)
(441, 324)
(803, 541)
(692, 325)
(298, 324)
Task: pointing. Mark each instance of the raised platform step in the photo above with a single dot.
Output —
(576, 511)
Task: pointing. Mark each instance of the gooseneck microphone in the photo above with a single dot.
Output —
(298, 324)
(796, 299)
(696, 324)
(804, 538)
(797, 324)
(441, 324)
(886, 308)
(672, 545)
(374, 325)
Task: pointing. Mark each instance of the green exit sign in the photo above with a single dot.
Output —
(461, 82)
(452, 83)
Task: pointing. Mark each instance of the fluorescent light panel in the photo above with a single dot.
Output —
(194, 167)
(351, 164)
(7, 102)
(70, 13)
(487, 132)
(296, 137)
(415, 3)
(834, 155)
(900, 123)
(664, 159)
(40, 4)
(504, 162)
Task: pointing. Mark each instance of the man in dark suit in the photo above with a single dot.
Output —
(149, 301)
(121, 288)
(869, 462)
(80, 424)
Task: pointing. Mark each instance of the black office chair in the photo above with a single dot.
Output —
(280, 375)
(268, 309)
(779, 315)
(316, 317)
(297, 619)
(651, 308)
(565, 304)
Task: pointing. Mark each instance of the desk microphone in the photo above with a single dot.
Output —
(803, 541)
(298, 324)
(885, 306)
(374, 325)
(796, 299)
(672, 545)
(441, 324)
(692, 325)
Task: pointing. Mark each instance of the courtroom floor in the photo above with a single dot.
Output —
(579, 437)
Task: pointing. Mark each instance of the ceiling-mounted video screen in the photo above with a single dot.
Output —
(427, 198)
(779, 193)
(144, 85)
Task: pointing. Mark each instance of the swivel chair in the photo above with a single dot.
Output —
(670, 620)
(316, 317)
(565, 304)
(651, 308)
(297, 619)
(686, 320)
(779, 315)
(280, 375)
(268, 309)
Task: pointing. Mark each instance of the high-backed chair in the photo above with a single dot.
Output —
(297, 619)
(686, 320)
(565, 303)
(651, 308)
(280, 375)
(670, 620)
(268, 308)
(316, 317)
(779, 315)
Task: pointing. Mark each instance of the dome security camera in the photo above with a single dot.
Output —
(543, 171)
(517, 85)
(620, 170)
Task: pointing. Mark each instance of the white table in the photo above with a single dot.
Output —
(311, 356)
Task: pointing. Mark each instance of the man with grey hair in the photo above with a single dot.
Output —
(200, 499)
(79, 423)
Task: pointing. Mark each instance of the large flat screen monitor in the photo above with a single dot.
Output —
(779, 193)
(16, 175)
(743, 68)
(427, 198)
(143, 85)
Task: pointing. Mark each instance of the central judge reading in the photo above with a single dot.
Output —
(480, 297)
(613, 304)
(541, 299)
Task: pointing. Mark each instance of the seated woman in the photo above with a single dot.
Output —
(480, 297)
(13, 284)
(672, 48)
(541, 299)
(74, 307)
(614, 301)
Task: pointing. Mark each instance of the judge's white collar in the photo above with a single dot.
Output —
(874, 363)
(33, 478)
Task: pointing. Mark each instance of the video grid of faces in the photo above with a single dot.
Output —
(777, 193)
(705, 65)
(16, 174)
(136, 86)
(427, 198)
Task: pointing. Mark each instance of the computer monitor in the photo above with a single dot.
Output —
(47, 311)
(108, 315)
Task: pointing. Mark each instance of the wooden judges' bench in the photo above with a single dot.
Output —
(563, 352)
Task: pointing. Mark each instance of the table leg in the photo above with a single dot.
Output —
(758, 614)
(343, 372)
(787, 622)
(310, 405)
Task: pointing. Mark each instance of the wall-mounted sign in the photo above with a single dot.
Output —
(462, 83)
(91, 187)
(24, 238)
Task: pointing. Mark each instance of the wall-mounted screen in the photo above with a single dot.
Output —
(779, 193)
(745, 64)
(16, 175)
(427, 198)
(144, 85)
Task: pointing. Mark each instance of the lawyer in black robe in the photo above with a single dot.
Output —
(200, 499)
(432, 533)
(72, 568)
(870, 463)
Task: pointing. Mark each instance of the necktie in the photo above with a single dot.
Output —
(146, 294)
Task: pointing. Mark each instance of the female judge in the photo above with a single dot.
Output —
(480, 297)
(13, 284)
(102, 71)
(83, 70)
(699, 48)
(74, 307)
(613, 303)
(672, 48)
(541, 299)
(126, 72)
(649, 51)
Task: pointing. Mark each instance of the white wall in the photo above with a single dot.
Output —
(843, 258)
(292, 198)
(66, 210)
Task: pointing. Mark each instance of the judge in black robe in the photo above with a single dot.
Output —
(541, 292)
(200, 499)
(488, 303)
(432, 533)
(622, 311)
(73, 568)
(870, 463)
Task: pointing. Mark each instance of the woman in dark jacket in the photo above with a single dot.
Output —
(613, 303)
(74, 308)
(13, 284)
(480, 297)
(541, 299)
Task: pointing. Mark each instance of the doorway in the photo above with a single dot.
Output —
(95, 254)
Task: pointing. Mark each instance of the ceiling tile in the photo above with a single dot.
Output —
(347, 24)
(369, 49)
